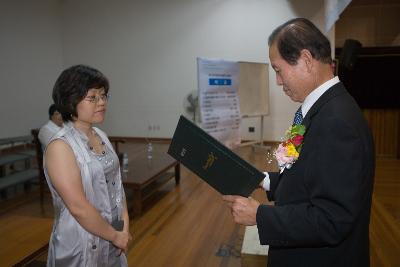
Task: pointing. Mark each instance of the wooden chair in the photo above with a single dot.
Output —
(116, 141)
(39, 158)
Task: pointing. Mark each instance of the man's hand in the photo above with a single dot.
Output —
(244, 210)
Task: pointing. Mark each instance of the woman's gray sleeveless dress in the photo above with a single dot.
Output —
(70, 244)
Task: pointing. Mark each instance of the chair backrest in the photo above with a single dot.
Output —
(39, 159)
(39, 152)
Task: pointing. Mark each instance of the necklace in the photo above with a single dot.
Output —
(101, 143)
(106, 160)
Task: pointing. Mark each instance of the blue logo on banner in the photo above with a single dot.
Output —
(219, 82)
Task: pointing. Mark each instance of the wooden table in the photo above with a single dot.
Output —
(145, 175)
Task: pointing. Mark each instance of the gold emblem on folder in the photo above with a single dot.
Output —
(210, 161)
(183, 152)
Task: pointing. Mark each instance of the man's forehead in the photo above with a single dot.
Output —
(273, 56)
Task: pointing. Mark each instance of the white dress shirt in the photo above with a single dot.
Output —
(46, 132)
(305, 107)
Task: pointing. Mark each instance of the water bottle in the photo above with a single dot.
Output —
(125, 167)
(149, 151)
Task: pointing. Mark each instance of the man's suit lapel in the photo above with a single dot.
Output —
(332, 92)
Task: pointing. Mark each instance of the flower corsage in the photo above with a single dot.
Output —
(288, 151)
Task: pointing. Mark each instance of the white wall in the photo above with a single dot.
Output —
(30, 59)
(148, 50)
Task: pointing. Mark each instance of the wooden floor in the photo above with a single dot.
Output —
(189, 225)
(385, 214)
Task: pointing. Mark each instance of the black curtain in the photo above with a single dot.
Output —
(374, 81)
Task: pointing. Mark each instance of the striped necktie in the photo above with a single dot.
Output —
(298, 117)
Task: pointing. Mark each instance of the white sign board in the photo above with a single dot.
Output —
(218, 82)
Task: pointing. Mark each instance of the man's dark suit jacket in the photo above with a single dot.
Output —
(323, 202)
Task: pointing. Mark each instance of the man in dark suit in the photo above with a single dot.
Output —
(322, 203)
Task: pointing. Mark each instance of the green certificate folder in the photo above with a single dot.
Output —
(212, 161)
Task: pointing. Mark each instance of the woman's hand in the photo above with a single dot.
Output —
(121, 240)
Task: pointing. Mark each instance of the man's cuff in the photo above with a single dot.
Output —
(266, 182)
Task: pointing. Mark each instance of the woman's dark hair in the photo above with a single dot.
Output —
(298, 34)
(72, 86)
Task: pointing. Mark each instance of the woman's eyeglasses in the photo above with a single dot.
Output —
(96, 98)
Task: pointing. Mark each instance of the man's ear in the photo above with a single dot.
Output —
(306, 56)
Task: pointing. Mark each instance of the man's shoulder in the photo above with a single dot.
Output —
(341, 114)
(343, 104)
(45, 127)
(47, 131)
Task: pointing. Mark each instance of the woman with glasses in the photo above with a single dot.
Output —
(91, 223)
